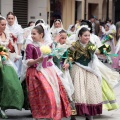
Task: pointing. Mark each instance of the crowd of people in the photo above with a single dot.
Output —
(58, 73)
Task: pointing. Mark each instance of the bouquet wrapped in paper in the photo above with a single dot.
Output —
(47, 54)
(107, 38)
(46, 51)
(105, 49)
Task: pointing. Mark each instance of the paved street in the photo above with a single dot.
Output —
(111, 115)
(107, 115)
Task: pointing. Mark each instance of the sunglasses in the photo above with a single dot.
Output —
(57, 20)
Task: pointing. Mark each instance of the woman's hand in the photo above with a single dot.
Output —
(16, 59)
(40, 59)
(66, 66)
(11, 35)
(101, 56)
(57, 38)
(32, 61)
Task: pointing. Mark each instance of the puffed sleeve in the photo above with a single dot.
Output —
(20, 37)
(29, 52)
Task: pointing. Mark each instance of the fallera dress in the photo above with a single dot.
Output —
(47, 95)
(11, 93)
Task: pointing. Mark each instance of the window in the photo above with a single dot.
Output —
(20, 9)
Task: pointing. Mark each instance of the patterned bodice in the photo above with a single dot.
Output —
(4, 42)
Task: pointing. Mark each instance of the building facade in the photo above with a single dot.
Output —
(26, 10)
(102, 9)
(67, 10)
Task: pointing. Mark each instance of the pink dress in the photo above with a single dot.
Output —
(41, 96)
(115, 62)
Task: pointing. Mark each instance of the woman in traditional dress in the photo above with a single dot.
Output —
(47, 95)
(88, 92)
(71, 30)
(61, 60)
(11, 93)
(17, 32)
(108, 82)
(111, 41)
(56, 27)
(116, 60)
(108, 77)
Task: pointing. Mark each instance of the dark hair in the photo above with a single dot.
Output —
(92, 17)
(39, 29)
(30, 23)
(110, 21)
(72, 27)
(1, 18)
(62, 31)
(82, 30)
(102, 23)
(57, 20)
(38, 21)
(86, 22)
(10, 13)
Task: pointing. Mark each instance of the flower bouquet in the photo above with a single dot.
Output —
(3, 55)
(92, 48)
(105, 49)
(45, 50)
(107, 38)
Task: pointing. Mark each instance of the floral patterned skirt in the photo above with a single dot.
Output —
(42, 99)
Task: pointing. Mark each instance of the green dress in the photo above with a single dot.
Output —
(109, 100)
(11, 93)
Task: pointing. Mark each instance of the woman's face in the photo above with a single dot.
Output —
(73, 29)
(57, 24)
(106, 28)
(77, 22)
(36, 36)
(10, 19)
(2, 25)
(100, 27)
(31, 24)
(85, 38)
(63, 38)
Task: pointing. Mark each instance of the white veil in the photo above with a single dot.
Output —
(2, 17)
(53, 26)
(70, 26)
(77, 32)
(15, 24)
(47, 37)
